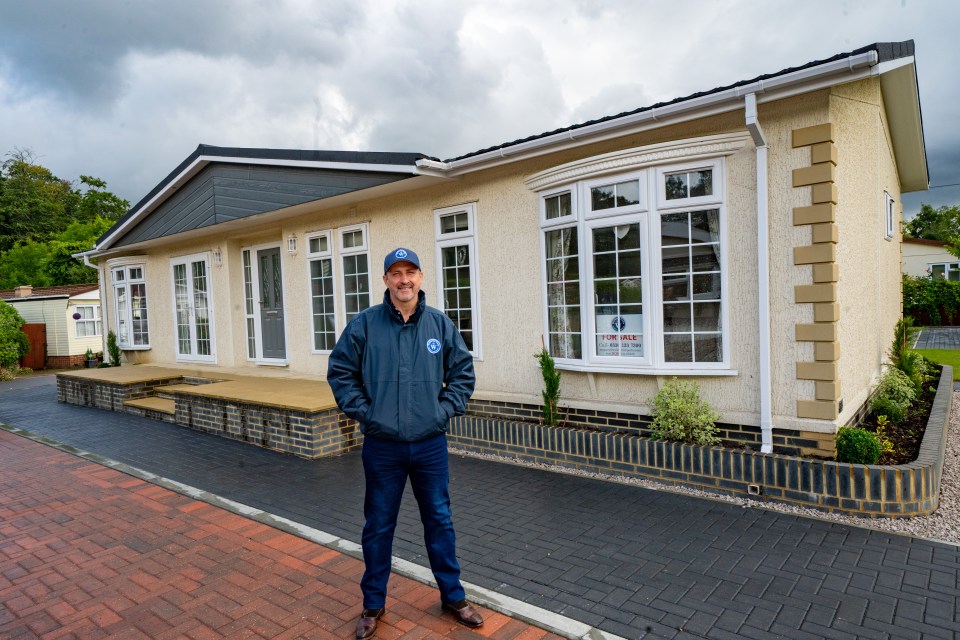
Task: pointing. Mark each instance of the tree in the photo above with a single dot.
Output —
(942, 223)
(33, 201)
(13, 342)
(44, 264)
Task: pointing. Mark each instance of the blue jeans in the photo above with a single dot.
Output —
(386, 467)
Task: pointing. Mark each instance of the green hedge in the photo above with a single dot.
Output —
(931, 302)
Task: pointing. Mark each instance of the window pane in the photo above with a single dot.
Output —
(706, 316)
(603, 197)
(676, 186)
(938, 270)
(352, 239)
(674, 229)
(617, 290)
(558, 206)
(707, 348)
(676, 317)
(691, 275)
(628, 193)
(563, 293)
(701, 183)
(677, 348)
(453, 223)
(321, 280)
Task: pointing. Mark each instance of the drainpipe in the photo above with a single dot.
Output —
(763, 272)
(103, 298)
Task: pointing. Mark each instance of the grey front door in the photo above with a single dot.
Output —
(271, 304)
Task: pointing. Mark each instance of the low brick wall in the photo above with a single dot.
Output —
(305, 434)
(864, 490)
(104, 395)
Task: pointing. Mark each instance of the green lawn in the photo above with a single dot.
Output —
(944, 356)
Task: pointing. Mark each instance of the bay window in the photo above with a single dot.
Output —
(633, 271)
(130, 298)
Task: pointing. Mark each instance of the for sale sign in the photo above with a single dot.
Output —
(620, 335)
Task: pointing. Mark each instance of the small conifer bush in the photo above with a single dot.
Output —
(681, 415)
(857, 446)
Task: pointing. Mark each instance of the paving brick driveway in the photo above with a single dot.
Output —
(627, 560)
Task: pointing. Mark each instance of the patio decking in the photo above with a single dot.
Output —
(276, 411)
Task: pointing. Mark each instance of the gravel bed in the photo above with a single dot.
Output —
(942, 526)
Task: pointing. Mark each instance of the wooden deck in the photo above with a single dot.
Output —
(271, 409)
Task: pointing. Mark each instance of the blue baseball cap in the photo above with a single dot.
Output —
(401, 255)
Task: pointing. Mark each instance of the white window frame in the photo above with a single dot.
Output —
(95, 319)
(187, 261)
(646, 213)
(125, 266)
(948, 268)
(466, 237)
(314, 256)
(889, 216)
(344, 252)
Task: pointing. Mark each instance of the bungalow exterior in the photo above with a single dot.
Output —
(745, 237)
(929, 258)
(72, 317)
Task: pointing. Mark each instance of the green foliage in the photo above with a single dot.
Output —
(43, 264)
(893, 395)
(930, 301)
(44, 220)
(911, 363)
(113, 349)
(13, 342)
(886, 444)
(89, 354)
(682, 416)
(551, 388)
(942, 223)
(857, 446)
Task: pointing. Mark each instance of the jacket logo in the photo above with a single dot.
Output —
(433, 345)
(401, 253)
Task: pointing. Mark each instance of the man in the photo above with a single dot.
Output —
(402, 371)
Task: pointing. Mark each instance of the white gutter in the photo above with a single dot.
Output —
(103, 295)
(775, 88)
(763, 273)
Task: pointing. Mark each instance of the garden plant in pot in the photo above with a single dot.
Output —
(90, 361)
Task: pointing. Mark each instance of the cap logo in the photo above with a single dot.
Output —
(400, 254)
(433, 345)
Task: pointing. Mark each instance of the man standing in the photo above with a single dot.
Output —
(402, 371)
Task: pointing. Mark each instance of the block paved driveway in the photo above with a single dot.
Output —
(90, 552)
(630, 561)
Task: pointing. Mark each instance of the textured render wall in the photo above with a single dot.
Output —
(915, 258)
(869, 288)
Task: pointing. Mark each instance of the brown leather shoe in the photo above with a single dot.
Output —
(367, 623)
(465, 613)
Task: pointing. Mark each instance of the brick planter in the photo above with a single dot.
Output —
(864, 490)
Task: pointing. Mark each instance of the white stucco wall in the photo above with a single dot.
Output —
(916, 257)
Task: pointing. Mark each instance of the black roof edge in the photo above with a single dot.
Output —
(304, 155)
(886, 51)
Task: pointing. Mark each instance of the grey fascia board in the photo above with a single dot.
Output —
(202, 161)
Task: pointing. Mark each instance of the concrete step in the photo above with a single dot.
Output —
(160, 405)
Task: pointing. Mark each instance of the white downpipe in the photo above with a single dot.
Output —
(763, 273)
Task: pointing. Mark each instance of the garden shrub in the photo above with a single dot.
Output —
(13, 341)
(551, 388)
(893, 395)
(113, 349)
(931, 301)
(680, 415)
(910, 362)
(857, 446)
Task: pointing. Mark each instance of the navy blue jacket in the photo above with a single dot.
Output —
(401, 380)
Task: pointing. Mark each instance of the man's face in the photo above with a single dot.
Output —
(403, 280)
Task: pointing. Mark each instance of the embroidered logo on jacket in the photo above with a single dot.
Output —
(433, 345)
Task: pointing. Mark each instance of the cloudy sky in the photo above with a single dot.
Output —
(126, 89)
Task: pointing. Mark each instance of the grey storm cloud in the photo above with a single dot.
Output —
(124, 90)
